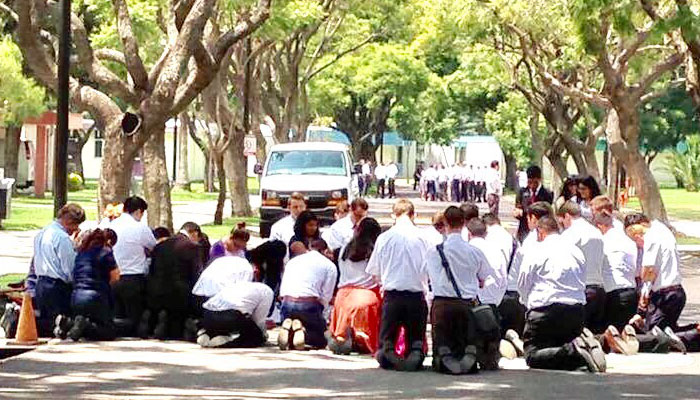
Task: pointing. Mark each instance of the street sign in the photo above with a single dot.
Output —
(250, 145)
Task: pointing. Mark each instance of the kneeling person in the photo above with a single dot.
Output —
(307, 288)
(551, 284)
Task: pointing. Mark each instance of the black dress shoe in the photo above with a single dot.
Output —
(161, 331)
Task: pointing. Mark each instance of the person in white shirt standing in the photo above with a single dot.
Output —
(662, 296)
(307, 289)
(456, 269)
(283, 230)
(590, 241)
(392, 171)
(135, 242)
(397, 263)
(456, 176)
(430, 176)
(380, 174)
(443, 177)
(342, 230)
(494, 188)
(551, 285)
(620, 269)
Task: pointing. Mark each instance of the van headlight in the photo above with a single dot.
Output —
(272, 195)
(337, 194)
(270, 198)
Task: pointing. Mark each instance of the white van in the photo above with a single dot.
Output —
(323, 172)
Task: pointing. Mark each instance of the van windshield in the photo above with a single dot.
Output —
(307, 162)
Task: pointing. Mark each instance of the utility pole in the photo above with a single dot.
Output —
(60, 165)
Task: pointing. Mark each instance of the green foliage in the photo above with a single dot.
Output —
(666, 120)
(510, 125)
(20, 97)
(686, 166)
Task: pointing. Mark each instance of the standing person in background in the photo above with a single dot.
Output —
(361, 177)
(380, 174)
(392, 171)
(471, 177)
(135, 243)
(54, 261)
(283, 230)
(533, 193)
(430, 175)
(465, 175)
(478, 180)
(443, 179)
(456, 179)
(366, 177)
(588, 189)
(494, 188)
(417, 175)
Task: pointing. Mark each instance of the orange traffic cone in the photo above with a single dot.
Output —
(26, 330)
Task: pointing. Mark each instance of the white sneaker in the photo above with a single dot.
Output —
(513, 337)
(219, 341)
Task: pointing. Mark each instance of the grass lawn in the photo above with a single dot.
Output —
(680, 204)
(216, 232)
(10, 278)
(688, 240)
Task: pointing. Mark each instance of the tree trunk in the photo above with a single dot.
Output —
(237, 175)
(12, 142)
(592, 163)
(511, 171)
(624, 123)
(537, 145)
(156, 185)
(221, 200)
(117, 163)
(183, 175)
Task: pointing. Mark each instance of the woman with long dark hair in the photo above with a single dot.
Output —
(305, 230)
(357, 308)
(91, 302)
(569, 191)
(588, 189)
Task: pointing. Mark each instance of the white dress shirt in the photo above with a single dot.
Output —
(494, 286)
(467, 263)
(430, 174)
(499, 236)
(221, 273)
(456, 173)
(398, 257)
(251, 298)
(283, 230)
(340, 233)
(529, 244)
(432, 235)
(443, 175)
(493, 182)
(134, 238)
(552, 276)
(469, 174)
(660, 252)
(309, 275)
(620, 266)
(354, 273)
(380, 172)
(391, 171)
(590, 241)
(366, 169)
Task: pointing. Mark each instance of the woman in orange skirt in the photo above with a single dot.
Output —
(357, 307)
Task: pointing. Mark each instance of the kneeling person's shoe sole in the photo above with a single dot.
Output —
(468, 362)
(299, 335)
(285, 333)
(595, 349)
(582, 349)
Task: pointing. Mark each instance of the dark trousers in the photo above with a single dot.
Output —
(129, 301)
(493, 202)
(456, 191)
(176, 299)
(392, 188)
(407, 309)
(665, 308)
(595, 308)
(97, 307)
(443, 191)
(620, 306)
(512, 313)
(52, 299)
(549, 332)
(450, 326)
(218, 323)
(431, 190)
(691, 339)
(465, 191)
(311, 315)
(381, 183)
(367, 181)
(361, 184)
(472, 190)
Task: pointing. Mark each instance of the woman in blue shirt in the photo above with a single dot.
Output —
(91, 302)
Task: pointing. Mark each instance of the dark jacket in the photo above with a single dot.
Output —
(174, 271)
(523, 200)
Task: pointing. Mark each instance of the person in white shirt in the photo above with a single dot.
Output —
(470, 176)
(135, 242)
(552, 286)
(456, 179)
(494, 285)
(662, 296)
(283, 230)
(355, 319)
(392, 171)
(342, 230)
(465, 179)
(430, 176)
(221, 272)
(380, 174)
(235, 317)
(456, 269)
(307, 289)
(589, 239)
(366, 177)
(479, 184)
(397, 263)
(494, 188)
(620, 269)
(435, 233)
(443, 177)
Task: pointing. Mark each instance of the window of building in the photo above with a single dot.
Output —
(99, 139)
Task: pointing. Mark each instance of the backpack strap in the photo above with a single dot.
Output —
(448, 271)
(512, 254)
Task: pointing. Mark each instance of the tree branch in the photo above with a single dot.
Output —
(110, 55)
(242, 29)
(337, 58)
(134, 64)
(669, 64)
